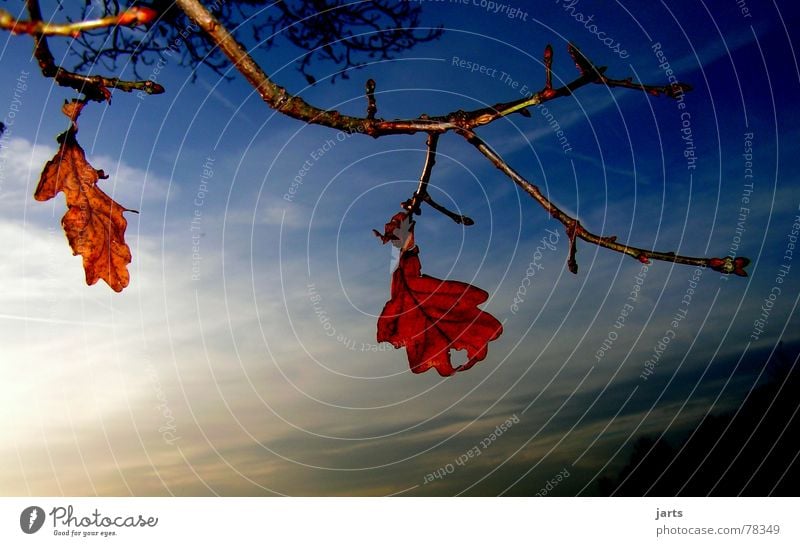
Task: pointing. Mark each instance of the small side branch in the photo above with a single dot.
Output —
(93, 87)
(548, 69)
(457, 218)
(372, 107)
(133, 16)
(293, 106)
(575, 230)
(422, 196)
(587, 67)
(412, 205)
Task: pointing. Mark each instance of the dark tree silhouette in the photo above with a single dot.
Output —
(748, 452)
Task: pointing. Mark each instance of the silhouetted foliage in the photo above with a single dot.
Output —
(348, 34)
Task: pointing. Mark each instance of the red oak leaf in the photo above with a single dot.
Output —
(430, 317)
(94, 224)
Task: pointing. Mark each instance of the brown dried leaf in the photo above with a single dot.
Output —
(94, 224)
(72, 110)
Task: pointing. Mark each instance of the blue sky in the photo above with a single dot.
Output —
(222, 379)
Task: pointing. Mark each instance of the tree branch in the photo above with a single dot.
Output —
(457, 218)
(422, 196)
(463, 123)
(133, 16)
(372, 107)
(293, 106)
(575, 230)
(412, 205)
(93, 87)
(585, 66)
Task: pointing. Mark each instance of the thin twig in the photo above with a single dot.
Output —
(372, 107)
(575, 230)
(585, 66)
(548, 69)
(422, 196)
(133, 16)
(457, 218)
(93, 87)
(412, 205)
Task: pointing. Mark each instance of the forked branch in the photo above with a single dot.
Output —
(293, 106)
(412, 205)
(422, 196)
(462, 123)
(93, 87)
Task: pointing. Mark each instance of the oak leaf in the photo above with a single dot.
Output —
(430, 317)
(94, 224)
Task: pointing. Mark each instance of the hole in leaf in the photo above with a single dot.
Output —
(458, 358)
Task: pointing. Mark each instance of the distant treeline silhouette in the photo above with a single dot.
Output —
(751, 453)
